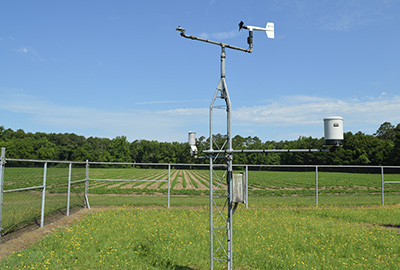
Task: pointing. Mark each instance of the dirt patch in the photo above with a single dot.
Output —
(145, 184)
(140, 185)
(189, 184)
(128, 185)
(199, 183)
(156, 185)
(116, 185)
(179, 180)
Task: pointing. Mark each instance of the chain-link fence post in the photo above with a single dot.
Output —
(247, 187)
(43, 194)
(2, 164)
(383, 187)
(316, 185)
(169, 184)
(69, 187)
(87, 205)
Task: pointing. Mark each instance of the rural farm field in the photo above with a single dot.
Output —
(282, 229)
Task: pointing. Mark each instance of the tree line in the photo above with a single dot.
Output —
(381, 148)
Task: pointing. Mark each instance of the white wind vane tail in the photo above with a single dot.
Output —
(270, 30)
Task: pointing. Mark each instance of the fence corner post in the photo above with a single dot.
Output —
(2, 164)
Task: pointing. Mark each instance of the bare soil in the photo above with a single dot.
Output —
(179, 180)
(189, 176)
(195, 177)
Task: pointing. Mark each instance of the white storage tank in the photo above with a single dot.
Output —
(333, 130)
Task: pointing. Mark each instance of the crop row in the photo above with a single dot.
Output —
(266, 183)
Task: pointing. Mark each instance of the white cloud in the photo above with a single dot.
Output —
(165, 102)
(186, 112)
(30, 52)
(163, 125)
(347, 14)
(343, 21)
(7, 38)
(311, 110)
(277, 120)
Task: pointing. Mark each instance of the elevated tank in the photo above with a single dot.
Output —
(333, 130)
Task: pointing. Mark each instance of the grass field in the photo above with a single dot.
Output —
(264, 238)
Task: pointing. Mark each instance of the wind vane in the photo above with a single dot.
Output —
(269, 30)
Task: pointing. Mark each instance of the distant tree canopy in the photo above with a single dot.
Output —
(381, 148)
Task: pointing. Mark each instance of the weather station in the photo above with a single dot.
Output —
(228, 190)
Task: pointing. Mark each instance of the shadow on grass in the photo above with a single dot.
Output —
(391, 226)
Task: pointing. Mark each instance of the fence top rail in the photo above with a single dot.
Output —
(319, 166)
(125, 180)
(22, 189)
(391, 182)
(44, 161)
(127, 163)
(151, 164)
(198, 165)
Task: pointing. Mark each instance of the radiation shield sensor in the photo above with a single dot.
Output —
(192, 144)
(333, 131)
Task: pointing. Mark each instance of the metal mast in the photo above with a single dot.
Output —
(221, 229)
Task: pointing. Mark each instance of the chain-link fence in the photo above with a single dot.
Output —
(323, 184)
(33, 191)
(125, 182)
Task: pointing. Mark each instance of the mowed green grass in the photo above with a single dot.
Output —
(280, 238)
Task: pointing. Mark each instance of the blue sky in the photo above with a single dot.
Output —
(113, 68)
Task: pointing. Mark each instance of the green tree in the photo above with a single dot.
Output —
(120, 149)
(386, 132)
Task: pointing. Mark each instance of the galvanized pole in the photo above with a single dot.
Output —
(43, 194)
(2, 165)
(169, 183)
(247, 187)
(229, 158)
(211, 214)
(69, 187)
(316, 185)
(87, 205)
(383, 187)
